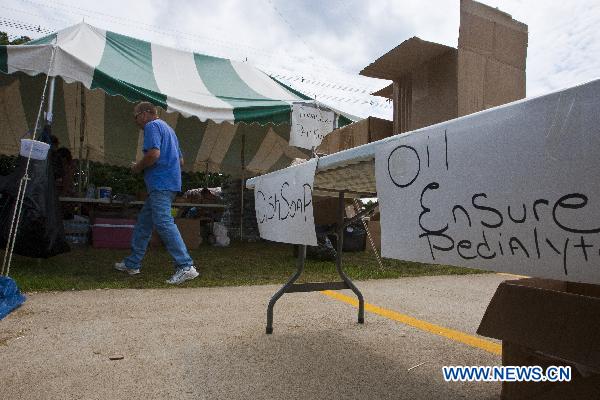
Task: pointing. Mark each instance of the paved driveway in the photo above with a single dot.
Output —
(209, 343)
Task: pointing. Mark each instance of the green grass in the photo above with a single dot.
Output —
(240, 264)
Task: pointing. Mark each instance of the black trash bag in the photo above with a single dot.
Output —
(40, 232)
(324, 250)
(355, 237)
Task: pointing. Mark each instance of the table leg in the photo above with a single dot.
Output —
(346, 283)
(280, 292)
(338, 260)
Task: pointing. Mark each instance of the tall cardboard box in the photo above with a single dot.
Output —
(547, 322)
(433, 83)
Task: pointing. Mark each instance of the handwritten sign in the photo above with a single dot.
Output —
(283, 204)
(515, 189)
(310, 124)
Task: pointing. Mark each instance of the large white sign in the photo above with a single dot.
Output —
(514, 189)
(283, 204)
(310, 124)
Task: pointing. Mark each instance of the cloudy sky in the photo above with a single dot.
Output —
(319, 46)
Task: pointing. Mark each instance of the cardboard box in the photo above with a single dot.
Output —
(112, 233)
(380, 129)
(325, 209)
(189, 229)
(375, 231)
(356, 134)
(547, 322)
(580, 387)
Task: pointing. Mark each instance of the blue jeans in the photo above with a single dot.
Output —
(156, 213)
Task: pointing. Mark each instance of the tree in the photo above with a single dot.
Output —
(4, 40)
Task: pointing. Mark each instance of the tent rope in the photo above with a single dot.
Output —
(371, 241)
(314, 148)
(14, 224)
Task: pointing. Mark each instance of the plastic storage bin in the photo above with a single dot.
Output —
(38, 150)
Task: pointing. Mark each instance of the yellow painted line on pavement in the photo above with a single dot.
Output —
(512, 275)
(448, 333)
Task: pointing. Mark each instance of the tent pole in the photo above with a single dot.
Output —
(81, 139)
(87, 167)
(242, 189)
(50, 105)
(206, 176)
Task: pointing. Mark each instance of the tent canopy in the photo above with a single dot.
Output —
(185, 84)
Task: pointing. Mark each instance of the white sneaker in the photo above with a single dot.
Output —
(120, 266)
(183, 275)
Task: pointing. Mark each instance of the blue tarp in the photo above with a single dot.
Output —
(10, 296)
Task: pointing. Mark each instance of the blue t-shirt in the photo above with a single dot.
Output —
(165, 174)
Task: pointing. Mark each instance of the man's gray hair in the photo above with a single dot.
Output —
(145, 106)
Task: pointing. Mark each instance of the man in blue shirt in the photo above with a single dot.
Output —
(161, 166)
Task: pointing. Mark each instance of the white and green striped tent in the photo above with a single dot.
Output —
(218, 107)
